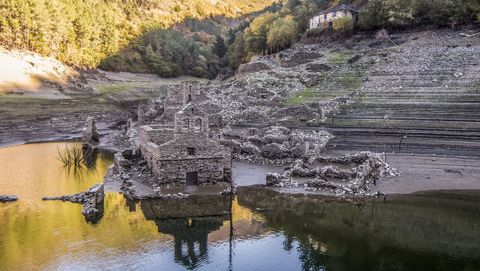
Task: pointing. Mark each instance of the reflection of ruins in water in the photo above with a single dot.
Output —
(190, 221)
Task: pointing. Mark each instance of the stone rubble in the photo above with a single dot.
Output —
(366, 169)
(276, 144)
(92, 201)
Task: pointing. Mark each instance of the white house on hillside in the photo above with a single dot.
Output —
(326, 17)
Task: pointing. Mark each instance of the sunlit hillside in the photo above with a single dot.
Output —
(82, 33)
(26, 70)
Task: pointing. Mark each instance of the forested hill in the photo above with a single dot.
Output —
(84, 32)
(202, 38)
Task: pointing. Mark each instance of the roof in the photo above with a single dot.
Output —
(339, 8)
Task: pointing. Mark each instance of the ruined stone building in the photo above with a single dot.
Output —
(178, 145)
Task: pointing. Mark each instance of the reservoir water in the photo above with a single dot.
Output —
(259, 229)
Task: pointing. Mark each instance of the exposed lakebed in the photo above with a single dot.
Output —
(271, 230)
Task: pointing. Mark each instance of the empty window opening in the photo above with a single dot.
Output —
(191, 151)
(198, 124)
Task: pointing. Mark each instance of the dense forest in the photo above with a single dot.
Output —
(84, 32)
(195, 37)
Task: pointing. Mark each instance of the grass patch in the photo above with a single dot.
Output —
(350, 81)
(306, 95)
(338, 57)
(117, 87)
(113, 88)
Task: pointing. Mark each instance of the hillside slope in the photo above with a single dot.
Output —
(82, 33)
(424, 85)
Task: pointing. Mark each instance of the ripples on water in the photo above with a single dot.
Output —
(270, 231)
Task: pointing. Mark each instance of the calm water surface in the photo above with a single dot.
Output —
(265, 231)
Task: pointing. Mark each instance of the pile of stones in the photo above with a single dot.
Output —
(365, 169)
(278, 144)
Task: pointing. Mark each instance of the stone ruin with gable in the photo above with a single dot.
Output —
(177, 143)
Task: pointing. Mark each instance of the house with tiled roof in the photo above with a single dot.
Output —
(325, 18)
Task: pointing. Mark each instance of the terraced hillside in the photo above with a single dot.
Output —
(419, 87)
(427, 89)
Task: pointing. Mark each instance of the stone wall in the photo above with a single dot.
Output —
(210, 170)
(169, 162)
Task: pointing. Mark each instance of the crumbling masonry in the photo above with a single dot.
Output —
(179, 147)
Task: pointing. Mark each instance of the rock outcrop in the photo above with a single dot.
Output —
(92, 201)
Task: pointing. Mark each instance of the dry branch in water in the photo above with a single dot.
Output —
(71, 156)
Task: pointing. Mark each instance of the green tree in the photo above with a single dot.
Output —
(220, 49)
(343, 24)
(282, 34)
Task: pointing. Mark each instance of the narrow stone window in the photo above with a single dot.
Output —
(198, 125)
(186, 124)
(191, 151)
(189, 98)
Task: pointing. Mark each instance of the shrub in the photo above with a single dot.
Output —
(343, 24)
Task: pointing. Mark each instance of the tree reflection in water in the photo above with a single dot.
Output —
(429, 231)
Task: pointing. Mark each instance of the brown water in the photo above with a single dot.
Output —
(265, 231)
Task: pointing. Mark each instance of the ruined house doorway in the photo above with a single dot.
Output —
(192, 178)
